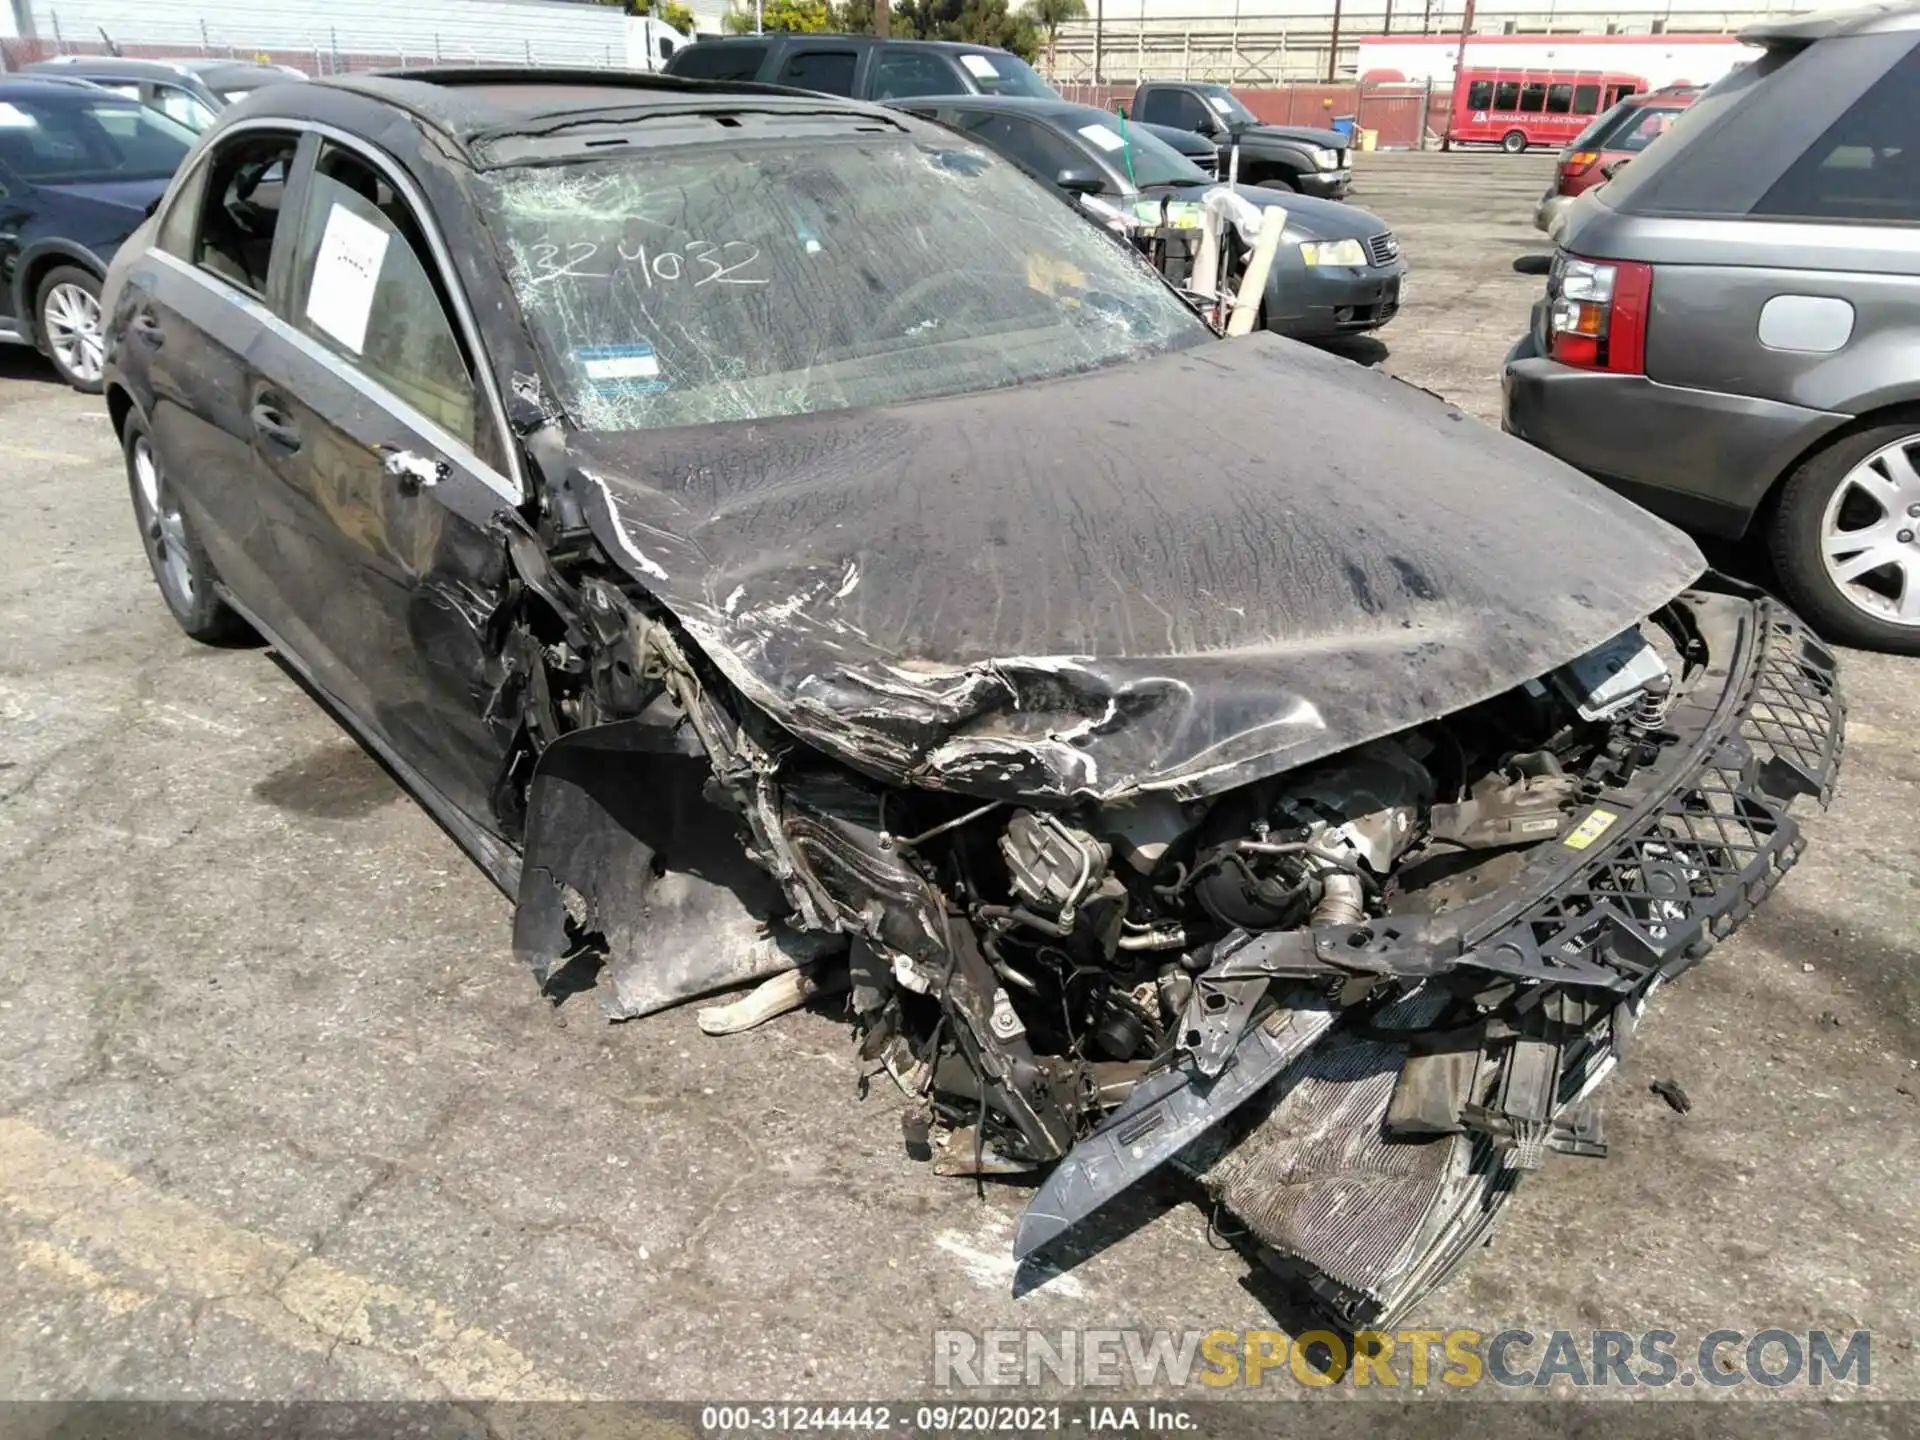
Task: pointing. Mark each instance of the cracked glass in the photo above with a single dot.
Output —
(705, 286)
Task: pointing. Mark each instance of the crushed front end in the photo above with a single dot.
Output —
(1356, 1000)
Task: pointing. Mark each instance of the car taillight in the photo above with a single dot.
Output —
(1579, 162)
(1597, 314)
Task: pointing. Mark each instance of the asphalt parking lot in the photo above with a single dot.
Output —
(280, 1116)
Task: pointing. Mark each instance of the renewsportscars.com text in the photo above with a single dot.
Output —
(1517, 1359)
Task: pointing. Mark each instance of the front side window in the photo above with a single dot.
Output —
(1867, 164)
(1586, 99)
(828, 71)
(1559, 99)
(77, 139)
(368, 290)
(899, 74)
(712, 285)
(1224, 103)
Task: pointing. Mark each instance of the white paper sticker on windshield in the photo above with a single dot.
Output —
(981, 66)
(345, 273)
(1219, 105)
(1103, 137)
(14, 118)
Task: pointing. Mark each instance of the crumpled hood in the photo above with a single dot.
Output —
(1175, 575)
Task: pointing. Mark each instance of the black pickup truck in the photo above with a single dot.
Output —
(1280, 157)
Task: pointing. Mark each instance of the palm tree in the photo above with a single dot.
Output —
(1048, 16)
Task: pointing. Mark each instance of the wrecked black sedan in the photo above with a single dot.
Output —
(770, 532)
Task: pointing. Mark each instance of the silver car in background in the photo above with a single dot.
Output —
(1731, 329)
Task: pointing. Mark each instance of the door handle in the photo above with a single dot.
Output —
(272, 427)
(412, 473)
(147, 329)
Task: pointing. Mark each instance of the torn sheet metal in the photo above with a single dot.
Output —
(1045, 593)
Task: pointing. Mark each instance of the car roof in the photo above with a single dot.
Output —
(466, 104)
(25, 87)
(117, 65)
(1797, 31)
(967, 46)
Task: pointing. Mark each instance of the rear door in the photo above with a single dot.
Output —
(383, 465)
(192, 310)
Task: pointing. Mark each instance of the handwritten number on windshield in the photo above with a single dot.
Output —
(704, 263)
(702, 256)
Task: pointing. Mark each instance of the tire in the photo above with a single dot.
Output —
(180, 566)
(1854, 487)
(1513, 142)
(1278, 184)
(66, 313)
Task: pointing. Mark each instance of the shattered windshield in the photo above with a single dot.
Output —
(711, 286)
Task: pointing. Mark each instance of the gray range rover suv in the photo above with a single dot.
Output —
(1731, 329)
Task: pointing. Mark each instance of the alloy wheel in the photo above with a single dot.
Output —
(162, 526)
(1870, 534)
(73, 331)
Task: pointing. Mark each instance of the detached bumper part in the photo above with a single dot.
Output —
(1381, 1155)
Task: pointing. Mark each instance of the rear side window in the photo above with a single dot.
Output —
(1867, 164)
(225, 217)
(718, 61)
(1533, 99)
(1559, 99)
(1480, 95)
(1506, 95)
(828, 71)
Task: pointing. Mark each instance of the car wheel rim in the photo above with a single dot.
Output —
(73, 331)
(162, 525)
(1870, 535)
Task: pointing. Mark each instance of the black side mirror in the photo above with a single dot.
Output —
(1533, 264)
(1079, 182)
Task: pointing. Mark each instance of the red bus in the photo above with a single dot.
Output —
(1517, 108)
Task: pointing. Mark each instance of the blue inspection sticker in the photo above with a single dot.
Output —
(621, 369)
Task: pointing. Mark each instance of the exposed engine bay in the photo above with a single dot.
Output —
(1355, 1001)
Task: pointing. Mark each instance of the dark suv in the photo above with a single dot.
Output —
(1278, 157)
(861, 66)
(1731, 329)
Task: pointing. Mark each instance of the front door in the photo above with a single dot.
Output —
(383, 469)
